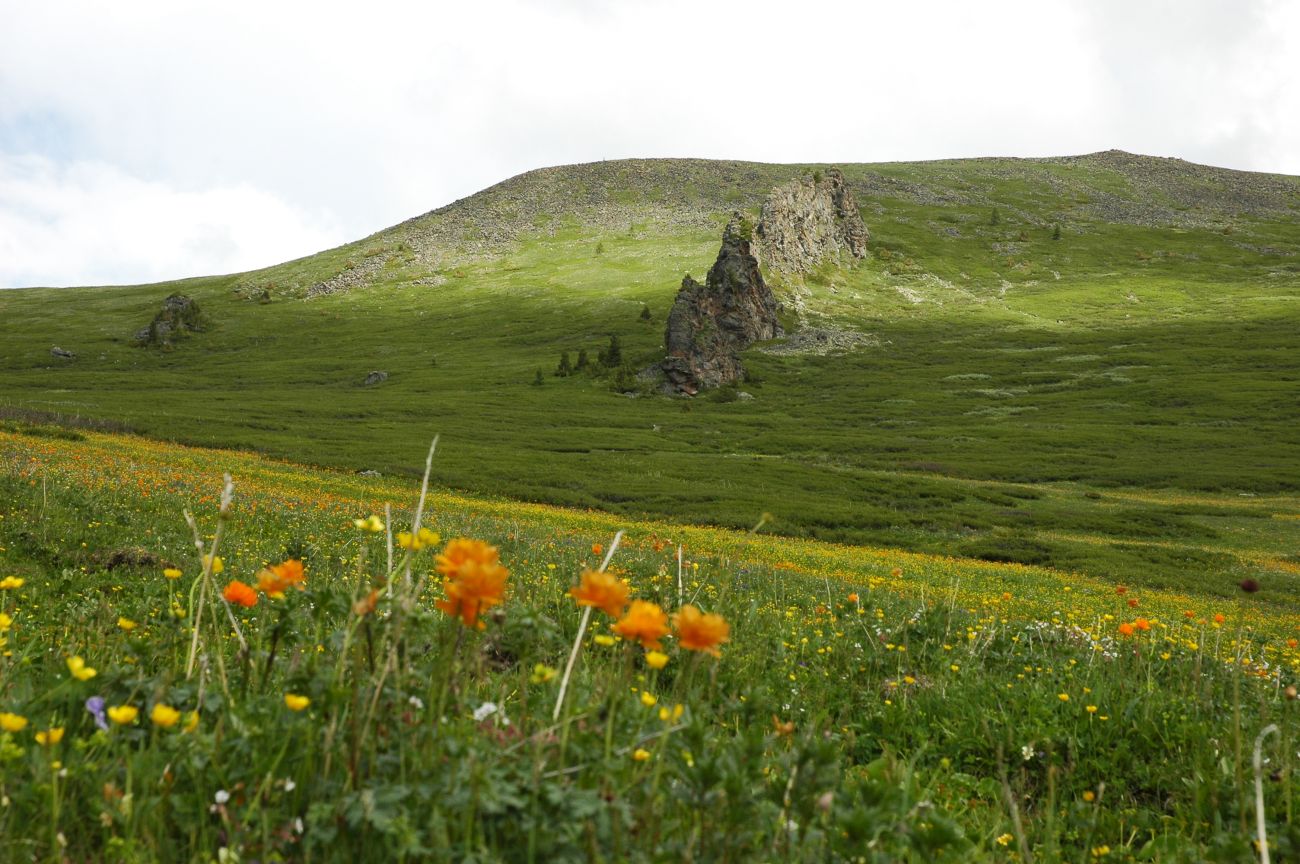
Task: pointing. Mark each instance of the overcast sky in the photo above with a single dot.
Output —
(142, 141)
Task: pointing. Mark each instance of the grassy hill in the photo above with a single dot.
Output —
(1119, 401)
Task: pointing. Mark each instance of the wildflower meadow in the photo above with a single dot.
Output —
(212, 656)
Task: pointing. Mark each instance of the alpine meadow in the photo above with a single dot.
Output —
(945, 511)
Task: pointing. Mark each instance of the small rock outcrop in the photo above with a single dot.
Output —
(179, 315)
(805, 221)
(374, 378)
(62, 353)
(710, 324)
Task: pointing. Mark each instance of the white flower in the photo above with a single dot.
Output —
(289, 785)
(484, 711)
(221, 797)
(416, 702)
(1027, 751)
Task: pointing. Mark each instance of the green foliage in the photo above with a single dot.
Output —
(995, 218)
(565, 369)
(538, 380)
(583, 362)
(612, 355)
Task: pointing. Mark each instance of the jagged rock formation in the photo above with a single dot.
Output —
(179, 315)
(711, 323)
(805, 221)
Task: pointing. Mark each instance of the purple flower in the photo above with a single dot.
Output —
(95, 705)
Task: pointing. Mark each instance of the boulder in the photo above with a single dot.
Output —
(710, 324)
(375, 378)
(804, 222)
(62, 353)
(179, 315)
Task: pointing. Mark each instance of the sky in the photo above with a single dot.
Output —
(144, 141)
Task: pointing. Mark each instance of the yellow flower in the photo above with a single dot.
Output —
(640, 754)
(217, 564)
(79, 669)
(667, 714)
(648, 699)
(296, 702)
(172, 573)
(1005, 839)
(166, 716)
(656, 659)
(424, 537)
(1091, 709)
(12, 722)
(371, 523)
(123, 714)
(1089, 796)
(191, 721)
(5, 622)
(605, 639)
(125, 623)
(543, 673)
(10, 582)
(1064, 697)
(50, 737)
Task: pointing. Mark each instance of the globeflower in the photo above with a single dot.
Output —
(215, 562)
(294, 702)
(656, 659)
(474, 579)
(12, 722)
(602, 591)
(699, 631)
(278, 578)
(164, 715)
(240, 593)
(10, 583)
(1126, 629)
(644, 622)
(123, 714)
(79, 669)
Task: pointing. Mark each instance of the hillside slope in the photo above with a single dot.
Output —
(1010, 394)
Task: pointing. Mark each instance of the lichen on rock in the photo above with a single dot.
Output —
(805, 221)
(710, 324)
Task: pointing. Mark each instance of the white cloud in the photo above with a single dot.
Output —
(91, 223)
(369, 115)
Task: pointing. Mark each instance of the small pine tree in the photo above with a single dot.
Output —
(995, 217)
(565, 369)
(645, 313)
(613, 355)
(600, 247)
(537, 379)
(583, 362)
(1056, 231)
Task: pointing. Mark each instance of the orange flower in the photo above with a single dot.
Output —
(278, 578)
(1189, 614)
(1218, 618)
(699, 631)
(603, 591)
(853, 598)
(1126, 629)
(475, 581)
(1132, 603)
(238, 592)
(1142, 624)
(366, 605)
(597, 549)
(645, 622)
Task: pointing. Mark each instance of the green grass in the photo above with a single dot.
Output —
(1007, 377)
(856, 714)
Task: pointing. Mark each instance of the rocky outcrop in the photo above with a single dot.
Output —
(376, 377)
(710, 324)
(62, 353)
(805, 221)
(179, 315)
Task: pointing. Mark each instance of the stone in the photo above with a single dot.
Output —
(375, 378)
(179, 316)
(804, 222)
(710, 324)
(62, 353)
